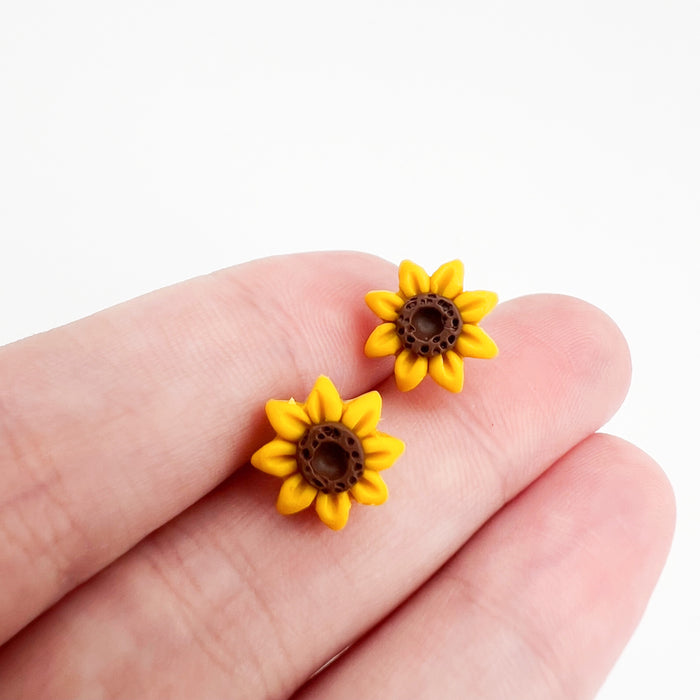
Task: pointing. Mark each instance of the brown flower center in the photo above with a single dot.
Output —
(429, 324)
(330, 457)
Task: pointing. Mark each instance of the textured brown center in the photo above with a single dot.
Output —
(429, 324)
(330, 457)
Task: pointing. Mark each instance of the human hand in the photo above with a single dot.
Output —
(513, 558)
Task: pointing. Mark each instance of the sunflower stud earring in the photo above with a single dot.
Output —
(430, 325)
(327, 450)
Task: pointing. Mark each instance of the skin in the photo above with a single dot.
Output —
(142, 556)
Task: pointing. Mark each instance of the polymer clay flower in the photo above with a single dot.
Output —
(326, 450)
(430, 324)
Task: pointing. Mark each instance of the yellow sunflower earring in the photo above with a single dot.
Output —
(327, 450)
(430, 324)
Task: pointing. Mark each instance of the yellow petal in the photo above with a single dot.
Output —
(333, 509)
(448, 370)
(381, 451)
(385, 304)
(474, 342)
(410, 370)
(295, 495)
(383, 341)
(370, 489)
(277, 457)
(324, 402)
(473, 306)
(413, 279)
(448, 279)
(288, 418)
(361, 415)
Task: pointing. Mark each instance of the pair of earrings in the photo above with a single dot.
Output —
(327, 449)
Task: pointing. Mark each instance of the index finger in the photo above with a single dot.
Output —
(112, 425)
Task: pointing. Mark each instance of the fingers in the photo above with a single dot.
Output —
(539, 603)
(112, 425)
(235, 594)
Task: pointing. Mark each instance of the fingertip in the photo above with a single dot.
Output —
(642, 496)
(577, 339)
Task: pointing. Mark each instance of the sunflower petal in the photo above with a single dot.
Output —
(383, 341)
(413, 279)
(288, 418)
(324, 402)
(473, 306)
(277, 457)
(295, 495)
(474, 342)
(361, 415)
(448, 371)
(448, 279)
(385, 304)
(410, 370)
(370, 489)
(333, 509)
(381, 451)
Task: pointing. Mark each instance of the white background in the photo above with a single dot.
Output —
(551, 146)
